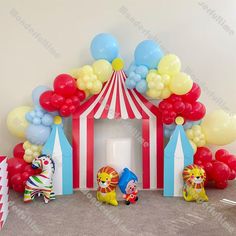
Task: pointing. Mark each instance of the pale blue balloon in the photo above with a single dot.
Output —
(142, 71)
(36, 121)
(130, 84)
(131, 68)
(141, 86)
(148, 53)
(37, 134)
(47, 120)
(28, 117)
(104, 46)
(36, 93)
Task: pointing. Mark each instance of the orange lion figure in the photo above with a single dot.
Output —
(194, 177)
(107, 179)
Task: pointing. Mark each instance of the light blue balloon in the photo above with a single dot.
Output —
(130, 84)
(148, 53)
(131, 68)
(142, 71)
(141, 86)
(104, 46)
(36, 121)
(47, 120)
(36, 93)
(28, 117)
(135, 77)
(37, 134)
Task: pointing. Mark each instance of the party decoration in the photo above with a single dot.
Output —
(169, 129)
(194, 177)
(219, 128)
(196, 135)
(136, 78)
(116, 102)
(65, 98)
(37, 134)
(107, 179)
(38, 116)
(104, 46)
(18, 173)
(169, 65)
(4, 191)
(218, 171)
(31, 151)
(148, 53)
(175, 105)
(158, 85)
(181, 83)
(177, 155)
(58, 147)
(16, 122)
(91, 78)
(128, 186)
(64, 85)
(37, 92)
(102, 69)
(45, 101)
(42, 183)
(19, 151)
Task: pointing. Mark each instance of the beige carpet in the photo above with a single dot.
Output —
(80, 214)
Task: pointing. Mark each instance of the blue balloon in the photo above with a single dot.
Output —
(148, 53)
(38, 134)
(104, 46)
(130, 84)
(36, 93)
(47, 120)
(142, 86)
(142, 71)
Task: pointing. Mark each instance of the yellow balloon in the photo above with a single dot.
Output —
(103, 70)
(16, 122)
(169, 64)
(219, 128)
(181, 83)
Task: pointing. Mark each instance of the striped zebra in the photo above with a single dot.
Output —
(41, 183)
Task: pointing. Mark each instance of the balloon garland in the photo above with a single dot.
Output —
(152, 73)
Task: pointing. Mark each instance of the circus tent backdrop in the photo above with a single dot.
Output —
(115, 101)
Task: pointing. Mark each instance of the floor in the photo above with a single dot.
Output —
(81, 214)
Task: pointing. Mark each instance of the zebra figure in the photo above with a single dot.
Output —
(41, 183)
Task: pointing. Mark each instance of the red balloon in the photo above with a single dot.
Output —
(179, 107)
(65, 85)
(65, 111)
(208, 167)
(57, 100)
(193, 94)
(81, 94)
(197, 113)
(75, 100)
(19, 151)
(221, 171)
(232, 162)
(232, 175)
(68, 102)
(203, 154)
(16, 165)
(221, 184)
(220, 154)
(45, 101)
(165, 106)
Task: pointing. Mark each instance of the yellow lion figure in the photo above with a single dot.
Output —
(194, 177)
(107, 179)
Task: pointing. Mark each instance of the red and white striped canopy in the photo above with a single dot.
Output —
(115, 101)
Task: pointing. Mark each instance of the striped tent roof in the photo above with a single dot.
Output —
(115, 101)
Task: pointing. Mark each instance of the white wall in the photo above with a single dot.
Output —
(204, 42)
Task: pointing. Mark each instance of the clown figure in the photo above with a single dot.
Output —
(128, 186)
